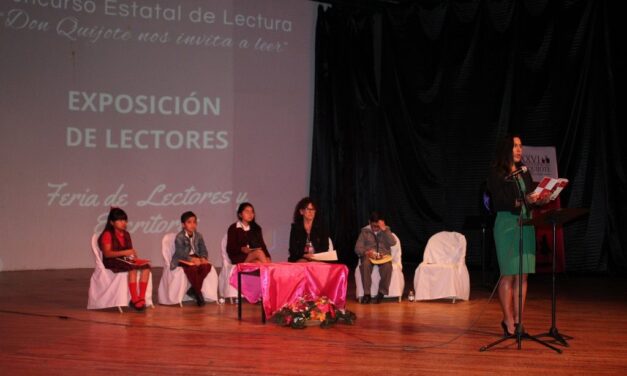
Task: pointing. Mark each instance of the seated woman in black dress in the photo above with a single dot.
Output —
(308, 235)
(244, 238)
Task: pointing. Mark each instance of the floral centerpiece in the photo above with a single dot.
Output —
(307, 309)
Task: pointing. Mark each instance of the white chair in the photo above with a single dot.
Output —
(330, 245)
(174, 283)
(108, 289)
(226, 290)
(443, 272)
(397, 282)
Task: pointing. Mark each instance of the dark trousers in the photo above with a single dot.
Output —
(196, 275)
(385, 271)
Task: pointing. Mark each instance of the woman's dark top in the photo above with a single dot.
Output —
(504, 192)
(319, 237)
(238, 238)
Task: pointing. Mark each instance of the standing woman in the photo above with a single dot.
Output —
(307, 235)
(118, 255)
(503, 188)
(245, 239)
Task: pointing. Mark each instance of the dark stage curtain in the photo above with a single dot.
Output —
(411, 100)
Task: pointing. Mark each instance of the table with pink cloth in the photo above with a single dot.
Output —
(283, 282)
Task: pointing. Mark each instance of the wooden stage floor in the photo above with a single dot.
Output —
(45, 329)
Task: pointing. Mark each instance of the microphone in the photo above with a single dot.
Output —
(519, 171)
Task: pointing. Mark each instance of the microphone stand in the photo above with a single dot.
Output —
(520, 335)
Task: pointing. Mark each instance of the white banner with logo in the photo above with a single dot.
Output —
(541, 161)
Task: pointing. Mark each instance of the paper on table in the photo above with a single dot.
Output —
(325, 256)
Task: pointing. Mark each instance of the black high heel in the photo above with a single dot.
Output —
(505, 332)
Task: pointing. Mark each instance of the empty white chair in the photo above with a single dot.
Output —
(443, 272)
(397, 282)
(108, 289)
(174, 283)
(226, 290)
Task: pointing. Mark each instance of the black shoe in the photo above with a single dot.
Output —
(200, 300)
(190, 292)
(378, 299)
(365, 299)
(506, 333)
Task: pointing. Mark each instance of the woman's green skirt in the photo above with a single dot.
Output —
(506, 238)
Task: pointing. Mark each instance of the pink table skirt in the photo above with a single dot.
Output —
(283, 282)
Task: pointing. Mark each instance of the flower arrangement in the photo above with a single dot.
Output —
(307, 309)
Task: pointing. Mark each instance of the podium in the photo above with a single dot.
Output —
(553, 218)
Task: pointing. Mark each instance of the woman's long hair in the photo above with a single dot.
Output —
(253, 224)
(302, 205)
(504, 157)
(115, 214)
